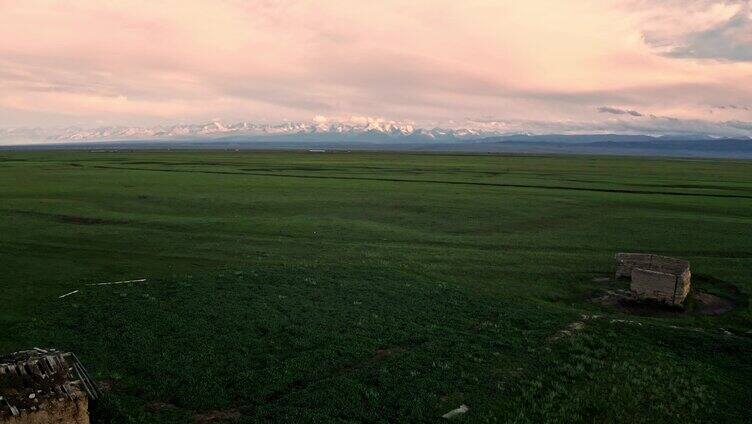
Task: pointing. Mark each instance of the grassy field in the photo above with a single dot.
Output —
(377, 287)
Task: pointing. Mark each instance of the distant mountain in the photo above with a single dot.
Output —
(377, 134)
(607, 144)
(359, 128)
(596, 138)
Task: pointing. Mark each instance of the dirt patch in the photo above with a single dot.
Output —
(160, 406)
(105, 385)
(709, 304)
(81, 220)
(387, 352)
(698, 303)
(624, 301)
(64, 218)
(378, 356)
(216, 416)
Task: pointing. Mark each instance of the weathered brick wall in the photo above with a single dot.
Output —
(683, 285)
(654, 285)
(626, 262)
(655, 277)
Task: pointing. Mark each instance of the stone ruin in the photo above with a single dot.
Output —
(44, 386)
(654, 277)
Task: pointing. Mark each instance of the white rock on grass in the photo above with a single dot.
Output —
(455, 412)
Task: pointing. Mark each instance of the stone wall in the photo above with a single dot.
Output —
(655, 277)
(653, 285)
(683, 284)
(625, 262)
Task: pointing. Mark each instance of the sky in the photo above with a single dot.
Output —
(541, 65)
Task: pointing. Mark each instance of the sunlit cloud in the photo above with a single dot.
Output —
(423, 61)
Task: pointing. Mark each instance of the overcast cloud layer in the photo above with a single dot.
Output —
(600, 65)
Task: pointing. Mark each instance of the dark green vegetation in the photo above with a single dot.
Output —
(305, 287)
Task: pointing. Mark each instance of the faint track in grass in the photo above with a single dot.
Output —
(447, 182)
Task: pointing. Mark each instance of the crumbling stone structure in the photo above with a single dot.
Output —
(655, 277)
(44, 386)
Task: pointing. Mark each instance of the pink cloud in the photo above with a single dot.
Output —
(151, 62)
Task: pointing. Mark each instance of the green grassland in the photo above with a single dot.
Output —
(377, 287)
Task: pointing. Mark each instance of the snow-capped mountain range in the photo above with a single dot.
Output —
(336, 129)
(358, 129)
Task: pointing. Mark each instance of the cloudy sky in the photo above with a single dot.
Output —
(543, 65)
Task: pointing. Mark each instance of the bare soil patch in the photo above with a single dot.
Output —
(65, 218)
(216, 416)
(709, 304)
(378, 356)
(106, 385)
(698, 303)
(82, 220)
(387, 352)
(160, 406)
